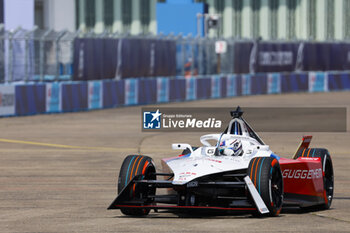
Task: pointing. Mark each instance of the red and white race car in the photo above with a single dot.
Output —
(238, 172)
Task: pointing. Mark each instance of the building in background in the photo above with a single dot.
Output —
(122, 16)
(269, 19)
(57, 15)
(283, 19)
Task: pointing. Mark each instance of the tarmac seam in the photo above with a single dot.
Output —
(61, 145)
(329, 217)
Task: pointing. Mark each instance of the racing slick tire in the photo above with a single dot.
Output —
(327, 168)
(266, 175)
(136, 165)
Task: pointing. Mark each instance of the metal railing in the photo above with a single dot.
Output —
(47, 55)
(35, 55)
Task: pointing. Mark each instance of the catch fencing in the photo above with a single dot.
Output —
(36, 55)
(46, 55)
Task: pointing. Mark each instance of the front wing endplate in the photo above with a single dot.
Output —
(256, 196)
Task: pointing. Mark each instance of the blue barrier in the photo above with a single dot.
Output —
(74, 97)
(79, 96)
(203, 88)
(30, 99)
(294, 82)
(113, 93)
(223, 87)
(258, 84)
(339, 81)
(177, 90)
(147, 91)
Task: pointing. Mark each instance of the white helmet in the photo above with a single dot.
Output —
(231, 147)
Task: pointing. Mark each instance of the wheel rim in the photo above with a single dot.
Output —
(276, 187)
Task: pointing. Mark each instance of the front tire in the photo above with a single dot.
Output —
(266, 175)
(132, 166)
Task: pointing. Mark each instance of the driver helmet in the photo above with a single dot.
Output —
(231, 147)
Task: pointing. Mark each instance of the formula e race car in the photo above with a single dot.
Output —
(232, 171)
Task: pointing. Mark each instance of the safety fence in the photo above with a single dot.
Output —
(36, 55)
(46, 55)
(56, 97)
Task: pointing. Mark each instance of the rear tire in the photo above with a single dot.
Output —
(266, 175)
(327, 168)
(132, 166)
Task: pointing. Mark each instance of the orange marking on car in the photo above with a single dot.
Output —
(308, 153)
(133, 190)
(144, 167)
(137, 167)
(256, 167)
(273, 162)
(133, 167)
(251, 172)
(302, 155)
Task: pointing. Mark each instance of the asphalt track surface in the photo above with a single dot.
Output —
(58, 173)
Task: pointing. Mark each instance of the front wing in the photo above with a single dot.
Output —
(183, 202)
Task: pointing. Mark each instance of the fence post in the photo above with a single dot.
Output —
(192, 55)
(183, 51)
(26, 53)
(57, 40)
(41, 51)
(10, 55)
(2, 53)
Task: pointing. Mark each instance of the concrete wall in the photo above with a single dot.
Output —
(60, 15)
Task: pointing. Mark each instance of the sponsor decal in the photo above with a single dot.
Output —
(273, 83)
(95, 94)
(185, 175)
(246, 84)
(53, 97)
(191, 89)
(280, 58)
(214, 160)
(7, 100)
(302, 174)
(162, 90)
(215, 87)
(318, 82)
(131, 91)
(231, 86)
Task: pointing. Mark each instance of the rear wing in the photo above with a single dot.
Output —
(304, 144)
